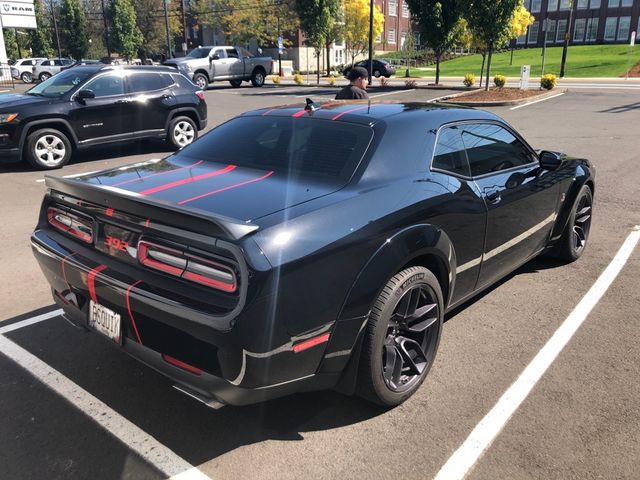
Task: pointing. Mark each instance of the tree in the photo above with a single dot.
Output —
(438, 20)
(73, 27)
(491, 23)
(10, 44)
(317, 18)
(520, 21)
(40, 38)
(356, 26)
(125, 34)
(150, 21)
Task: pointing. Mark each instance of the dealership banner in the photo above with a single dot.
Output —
(17, 14)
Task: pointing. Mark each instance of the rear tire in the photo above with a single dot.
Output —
(401, 338)
(44, 76)
(257, 78)
(26, 77)
(376, 73)
(574, 238)
(235, 83)
(201, 80)
(47, 149)
(182, 132)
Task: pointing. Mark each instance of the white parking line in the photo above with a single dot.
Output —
(392, 93)
(127, 432)
(536, 101)
(490, 426)
(30, 321)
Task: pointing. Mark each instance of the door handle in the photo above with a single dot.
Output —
(126, 100)
(166, 96)
(493, 197)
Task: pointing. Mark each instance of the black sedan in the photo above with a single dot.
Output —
(381, 68)
(302, 248)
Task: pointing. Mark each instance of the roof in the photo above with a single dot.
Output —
(369, 112)
(137, 68)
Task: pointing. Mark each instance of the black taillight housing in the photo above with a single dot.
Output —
(187, 266)
(71, 224)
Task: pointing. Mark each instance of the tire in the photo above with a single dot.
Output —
(44, 76)
(26, 77)
(574, 238)
(376, 73)
(47, 149)
(235, 83)
(257, 77)
(182, 132)
(401, 337)
(201, 80)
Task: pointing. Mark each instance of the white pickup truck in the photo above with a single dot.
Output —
(235, 64)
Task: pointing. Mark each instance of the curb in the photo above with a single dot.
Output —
(519, 101)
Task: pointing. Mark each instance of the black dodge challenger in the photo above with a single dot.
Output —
(307, 247)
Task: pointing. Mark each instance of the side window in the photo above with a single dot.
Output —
(145, 82)
(449, 154)
(183, 81)
(219, 53)
(57, 63)
(106, 86)
(231, 53)
(491, 148)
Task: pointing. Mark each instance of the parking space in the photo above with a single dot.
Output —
(579, 421)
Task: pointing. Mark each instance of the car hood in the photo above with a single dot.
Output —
(18, 100)
(241, 193)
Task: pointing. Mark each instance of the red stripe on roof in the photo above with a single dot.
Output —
(299, 113)
(182, 202)
(91, 281)
(133, 322)
(269, 111)
(155, 174)
(184, 181)
(361, 107)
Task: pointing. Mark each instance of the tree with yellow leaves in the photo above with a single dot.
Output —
(520, 21)
(356, 26)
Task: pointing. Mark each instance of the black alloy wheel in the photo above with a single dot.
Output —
(402, 337)
(574, 239)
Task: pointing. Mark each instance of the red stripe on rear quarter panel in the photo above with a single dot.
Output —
(312, 342)
(91, 279)
(182, 202)
(184, 181)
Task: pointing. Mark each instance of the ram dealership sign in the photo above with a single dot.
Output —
(17, 14)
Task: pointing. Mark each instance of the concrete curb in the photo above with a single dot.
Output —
(519, 101)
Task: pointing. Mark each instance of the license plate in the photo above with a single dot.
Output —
(105, 321)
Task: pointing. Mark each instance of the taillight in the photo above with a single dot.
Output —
(200, 95)
(189, 267)
(73, 225)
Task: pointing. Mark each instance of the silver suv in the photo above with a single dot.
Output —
(23, 67)
(45, 69)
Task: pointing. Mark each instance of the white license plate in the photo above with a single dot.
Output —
(105, 321)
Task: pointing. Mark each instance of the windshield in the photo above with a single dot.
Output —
(61, 83)
(199, 53)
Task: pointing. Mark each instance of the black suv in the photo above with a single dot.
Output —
(96, 104)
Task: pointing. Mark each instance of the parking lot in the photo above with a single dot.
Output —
(74, 407)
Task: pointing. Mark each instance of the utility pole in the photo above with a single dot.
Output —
(544, 42)
(17, 42)
(184, 25)
(106, 31)
(166, 25)
(55, 26)
(567, 35)
(370, 39)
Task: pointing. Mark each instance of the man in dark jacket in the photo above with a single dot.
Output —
(357, 88)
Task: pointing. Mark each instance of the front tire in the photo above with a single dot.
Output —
(26, 77)
(376, 73)
(401, 338)
(44, 76)
(257, 78)
(201, 80)
(574, 238)
(182, 132)
(47, 149)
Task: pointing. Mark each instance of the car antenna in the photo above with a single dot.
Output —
(311, 105)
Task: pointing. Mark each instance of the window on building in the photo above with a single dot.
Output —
(393, 8)
(527, 4)
(521, 39)
(551, 31)
(416, 38)
(626, 3)
(583, 4)
(403, 39)
(391, 35)
(562, 30)
(613, 3)
(552, 6)
(610, 28)
(533, 32)
(594, 4)
(579, 29)
(624, 25)
(405, 9)
(535, 5)
(565, 4)
(379, 38)
(592, 29)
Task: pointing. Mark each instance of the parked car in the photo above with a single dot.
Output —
(96, 104)
(45, 69)
(23, 67)
(381, 68)
(211, 64)
(82, 62)
(294, 249)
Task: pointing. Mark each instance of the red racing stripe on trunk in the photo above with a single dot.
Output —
(156, 174)
(182, 202)
(184, 181)
(91, 281)
(133, 322)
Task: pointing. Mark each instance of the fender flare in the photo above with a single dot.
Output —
(49, 122)
(582, 176)
(178, 111)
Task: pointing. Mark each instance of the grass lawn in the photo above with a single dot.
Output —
(582, 61)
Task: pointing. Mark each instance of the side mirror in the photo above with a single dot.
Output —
(550, 160)
(84, 94)
(214, 57)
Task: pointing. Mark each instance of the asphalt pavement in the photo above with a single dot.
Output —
(75, 407)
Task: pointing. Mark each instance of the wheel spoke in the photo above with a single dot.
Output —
(413, 356)
(393, 365)
(417, 323)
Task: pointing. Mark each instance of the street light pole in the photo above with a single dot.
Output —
(106, 31)
(566, 40)
(370, 39)
(166, 25)
(55, 26)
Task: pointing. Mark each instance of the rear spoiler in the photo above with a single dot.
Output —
(191, 219)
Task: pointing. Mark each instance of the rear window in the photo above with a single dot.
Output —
(146, 82)
(302, 147)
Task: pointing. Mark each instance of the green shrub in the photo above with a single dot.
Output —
(384, 82)
(276, 79)
(469, 80)
(548, 81)
(410, 83)
(499, 81)
(298, 79)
